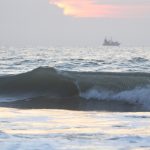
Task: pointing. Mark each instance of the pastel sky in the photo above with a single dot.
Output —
(103, 8)
(73, 22)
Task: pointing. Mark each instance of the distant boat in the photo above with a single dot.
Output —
(110, 42)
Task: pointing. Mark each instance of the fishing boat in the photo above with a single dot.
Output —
(110, 42)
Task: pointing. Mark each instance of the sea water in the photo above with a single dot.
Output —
(75, 81)
(73, 130)
(95, 59)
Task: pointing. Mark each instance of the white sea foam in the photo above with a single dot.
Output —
(139, 95)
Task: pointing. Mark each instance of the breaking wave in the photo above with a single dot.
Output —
(125, 88)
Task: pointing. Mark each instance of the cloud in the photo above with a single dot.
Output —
(103, 8)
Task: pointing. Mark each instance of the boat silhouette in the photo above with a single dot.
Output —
(110, 42)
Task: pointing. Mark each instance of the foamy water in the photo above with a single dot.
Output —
(73, 130)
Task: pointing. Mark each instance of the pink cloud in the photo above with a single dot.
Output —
(89, 8)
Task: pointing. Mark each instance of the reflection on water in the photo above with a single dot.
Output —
(73, 130)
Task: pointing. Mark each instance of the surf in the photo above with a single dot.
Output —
(77, 87)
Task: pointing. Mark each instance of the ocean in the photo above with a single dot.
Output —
(75, 98)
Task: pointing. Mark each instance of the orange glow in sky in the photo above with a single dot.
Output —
(83, 8)
(89, 8)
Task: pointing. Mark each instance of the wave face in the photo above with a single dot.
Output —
(131, 88)
(39, 82)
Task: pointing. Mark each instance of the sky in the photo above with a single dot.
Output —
(74, 22)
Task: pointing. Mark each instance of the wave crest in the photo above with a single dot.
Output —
(41, 81)
(136, 96)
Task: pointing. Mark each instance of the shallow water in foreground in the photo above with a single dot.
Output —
(43, 129)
